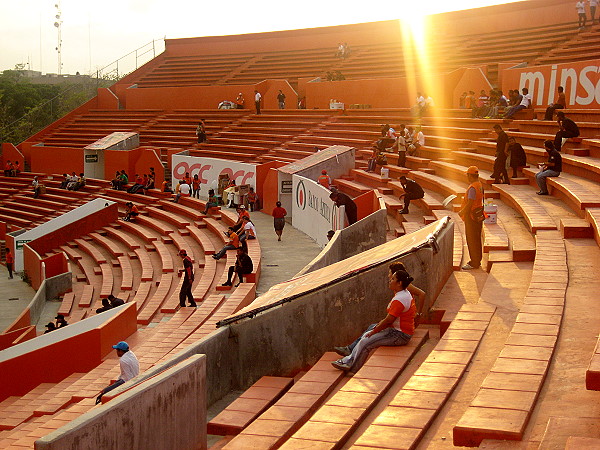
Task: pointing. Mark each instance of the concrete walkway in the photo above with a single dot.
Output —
(15, 297)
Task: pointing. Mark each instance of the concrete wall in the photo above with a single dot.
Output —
(165, 412)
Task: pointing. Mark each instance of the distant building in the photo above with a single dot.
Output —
(35, 77)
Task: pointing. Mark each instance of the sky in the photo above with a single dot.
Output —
(97, 33)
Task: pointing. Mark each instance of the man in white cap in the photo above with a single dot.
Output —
(130, 368)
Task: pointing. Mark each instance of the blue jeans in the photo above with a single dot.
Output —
(540, 177)
(221, 252)
(513, 110)
(360, 353)
(355, 343)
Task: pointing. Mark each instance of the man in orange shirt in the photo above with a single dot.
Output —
(234, 242)
(324, 180)
(10, 260)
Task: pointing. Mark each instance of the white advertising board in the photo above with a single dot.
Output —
(313, 212)
(209, 169)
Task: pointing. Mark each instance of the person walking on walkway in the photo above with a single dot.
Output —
(10, 260)
(472, 214)
(186, 286)
(279, 214)
(281, 99)
(257, 99)
(500, 174)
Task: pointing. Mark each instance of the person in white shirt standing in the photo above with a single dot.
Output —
(257, 99)
(580, 7)
(130, 368)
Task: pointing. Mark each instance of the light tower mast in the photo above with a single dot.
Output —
(58, 25)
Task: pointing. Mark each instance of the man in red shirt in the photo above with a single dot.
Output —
(10, 260)
(186, 287)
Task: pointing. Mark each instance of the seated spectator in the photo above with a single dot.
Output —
(51, 327)
(60, 321)
(567, 129)
(78, 184)
(242, 212)
(139, 184)
(151, 180)
(131, 212)
(8, 169)
(243, 266)
(248, 229)
(517, 156)
(324, 179)
(417, 141)
(420, 105)
(166, 187)
(212, 201)
(16, 169)
(252, 198)
(480, 106)
(182, 190)
(72, 181)
(471, 100)
(130, 368)
(36, 187)
(412, 191)
(418, 294)
(105, 306)
(115, 301)
(524, 104)
(116, 181)
(561, 103)
(462, 100)
(64, 183)
(234, 242)
(551, 168)
(124, 179)
(396, 328)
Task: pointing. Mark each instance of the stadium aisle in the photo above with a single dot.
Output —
(16, 297)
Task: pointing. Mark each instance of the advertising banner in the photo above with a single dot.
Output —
(209, 169)
(313, 212)
(580, 80)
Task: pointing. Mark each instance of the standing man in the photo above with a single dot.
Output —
(324, 179)
(500, 173)
(243, 266)
(281, 99)
(568, 129)
(472, 214)
(580, 7)
(130, 368)
(552, 168)
(186, 287)
(412, 191)
(10, 260)
(339, 198)
(593, 5)
(257, 99)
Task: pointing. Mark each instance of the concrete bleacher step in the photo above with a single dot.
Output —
(457, 248)
(248, 406)
(407, 416)
(522, 199)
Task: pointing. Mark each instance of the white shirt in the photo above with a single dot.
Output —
(593, 2)
(526, 101)
(130, 367)
(429, 102)
(420, 101)
(184, 189)
(421, 138)
(257, 97)
(580, 7)
(250, 226)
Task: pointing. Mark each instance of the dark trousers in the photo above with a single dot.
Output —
(240, 273)
(582, 20)
(402, 159)
(351, 214)
(9, 267)
(563, 134)
(407, 198)
(593, 11)
(186, 292)
(257, 104)
(473, 231)
(500, 173)
(550, 111)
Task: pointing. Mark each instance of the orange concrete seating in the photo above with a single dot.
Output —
(167, 216)
(107, 280)
(157, 225)
(91, 250)
(126, 272)
(495, 238)
(457, 249)
(248, 406)
(142, 292)
(592, 375)
(86, 296)
(153, 304)
(343, 411)
(292, 410)
(110, 245)
(67, 304)
(200, 236)
(407, 416)
(505, 401)
(523, 200)
(122, 237)
(139, 230)
(147, 268)
(182, 210)
(165, 256)
(208, 276)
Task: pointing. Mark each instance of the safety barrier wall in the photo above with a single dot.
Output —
(91, 338)
(167, 411)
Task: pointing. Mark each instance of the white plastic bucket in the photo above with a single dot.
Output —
(492, 213)
(385, 172)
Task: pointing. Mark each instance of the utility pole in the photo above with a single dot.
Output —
(58, 25)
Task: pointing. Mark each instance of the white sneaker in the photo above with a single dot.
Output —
(340, 365)
(468, 267)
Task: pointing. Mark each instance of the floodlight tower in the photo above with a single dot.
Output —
(58, 25)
